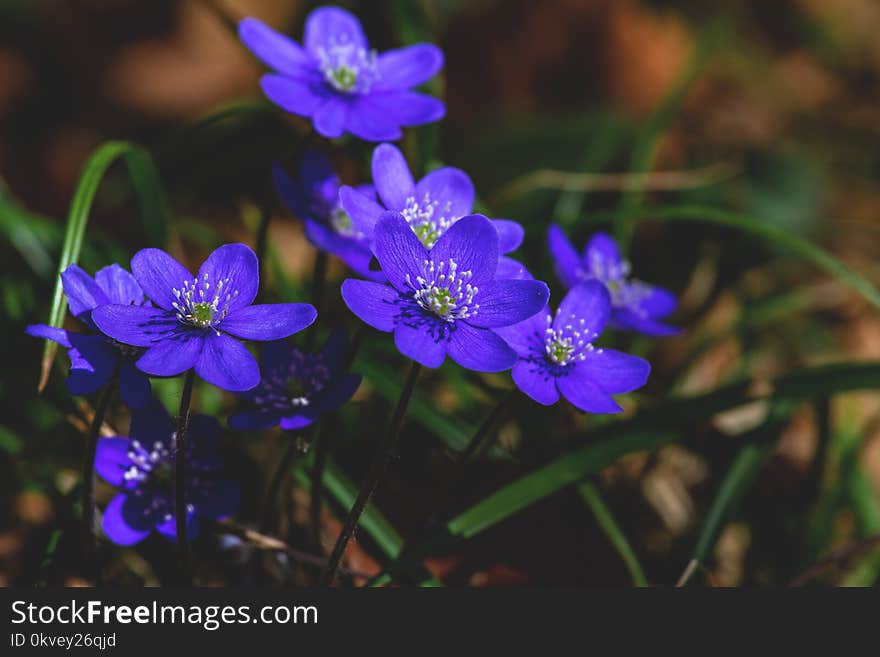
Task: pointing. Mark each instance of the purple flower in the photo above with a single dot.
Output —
(430, 206)
(315, 200)
(446, 300)
(198, 318)
(556, 354)
(94, 358)
(298, 387)
(635, 306)
(143, 467)
(339, 82)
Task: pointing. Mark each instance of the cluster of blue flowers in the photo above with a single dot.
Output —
(433, 273)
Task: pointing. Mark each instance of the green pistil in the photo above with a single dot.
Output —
(343, 78)
(560, 352)
(442, 302)
(202, 313)
(426, 234)
(341, 222)
(162, 476)
(296, 388)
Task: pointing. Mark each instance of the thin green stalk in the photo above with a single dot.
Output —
(478, 443)
(88, 472)
(180, 474)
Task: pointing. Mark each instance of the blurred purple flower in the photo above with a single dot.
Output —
(314, 198)
(298, 387)
(556, 355)
(198, 318)
(338, 82)
(143, 467)
(94, 358)
(636, 306)
(430, 206)
(446, 300)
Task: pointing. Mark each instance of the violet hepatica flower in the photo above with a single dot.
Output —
(430, 206)
(314, 198)
(298, 387)
(447, 299)
(94, 358)
(635, 306)
(337, 81)
(556, 355)
(198, 318)
(142, 466)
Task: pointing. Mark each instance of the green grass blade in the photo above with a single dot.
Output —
(590, 494)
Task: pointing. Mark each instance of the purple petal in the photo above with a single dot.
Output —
(92, 363)
(510, 268)
(339, 392)
(506, 302)
(371, 123)
(406, 108)
(271, 321)
(510, 234)
(655, 301)
(628, 320)
(327, 27)
(173, 355)
(294, 422)
(375, 304)
(330, 117)
(451, 188)
(300, 97)
(349, 250)
(472, 242)
(111, 460)
(614, 371)
(236, 265)
(159, 274)
(227, 364)
(419, 344)
(119, 286)
(335, 350)
(536, 381)
(252, 420)
(140, 326)
(527, 337)
(588, 301)
(363, 210)
(289, 191)
(134, 386)
(273, 48)
(566, 262)
(479, 349)
(83, 292)
(394, 183)
(117, 524)
(579, 389)
(400, 253)
(408, 67)
(152, 423)
(49, 333)
(602, 257)
(168, 528)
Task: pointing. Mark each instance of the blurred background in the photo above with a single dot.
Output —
(770, 110)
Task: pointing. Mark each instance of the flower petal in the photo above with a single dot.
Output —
(510, 268)
(404, 68)
(226, 363)
(270, 321)
(119, 286)
(289, 191)
(628, 320)
(339, 392)
(371, 123)
(330, 117)
(577, 387)
(134, 386)
(479, 349)
(399, 252)
(140, 326)
(507, 302)
(510, 234)
(83, 292)
(294, 422)
(167, 528)
(274, 49)
(49, 333)
(237, 266)
(472, 242)
(92, 363)
(159, 274)
(614, 371)
(117, 523)
(253, 419)
(451, 188)
(152, 423)
(363, 210)
(336, 350)
(111, 459)
(332, 26)
(406, 108)
(602, 256)
(527, 337)
(391, 176)
(300, 97)
(172, 355)
(536, 381)
(375, 304)
(588, 301)
(420, 344)
(566, 262)
(655, 301)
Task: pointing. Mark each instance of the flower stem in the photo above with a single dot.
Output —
(322, 448)
(295, 445)
(88, 471)
(180, 474)
(478, 443)
(319, 278)
(377, 470)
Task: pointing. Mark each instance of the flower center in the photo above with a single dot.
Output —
(569, 342)
(428, 218)
(342, 223)
(444, 291)
(153, 463)
(200, 306)
(295, 385)
(346, 67)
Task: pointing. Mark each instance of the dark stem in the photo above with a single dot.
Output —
(478, 443)
(319, 277)
(377, 470)
(88, 472)
(322, 448)
(295, 445)
(180, 475)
